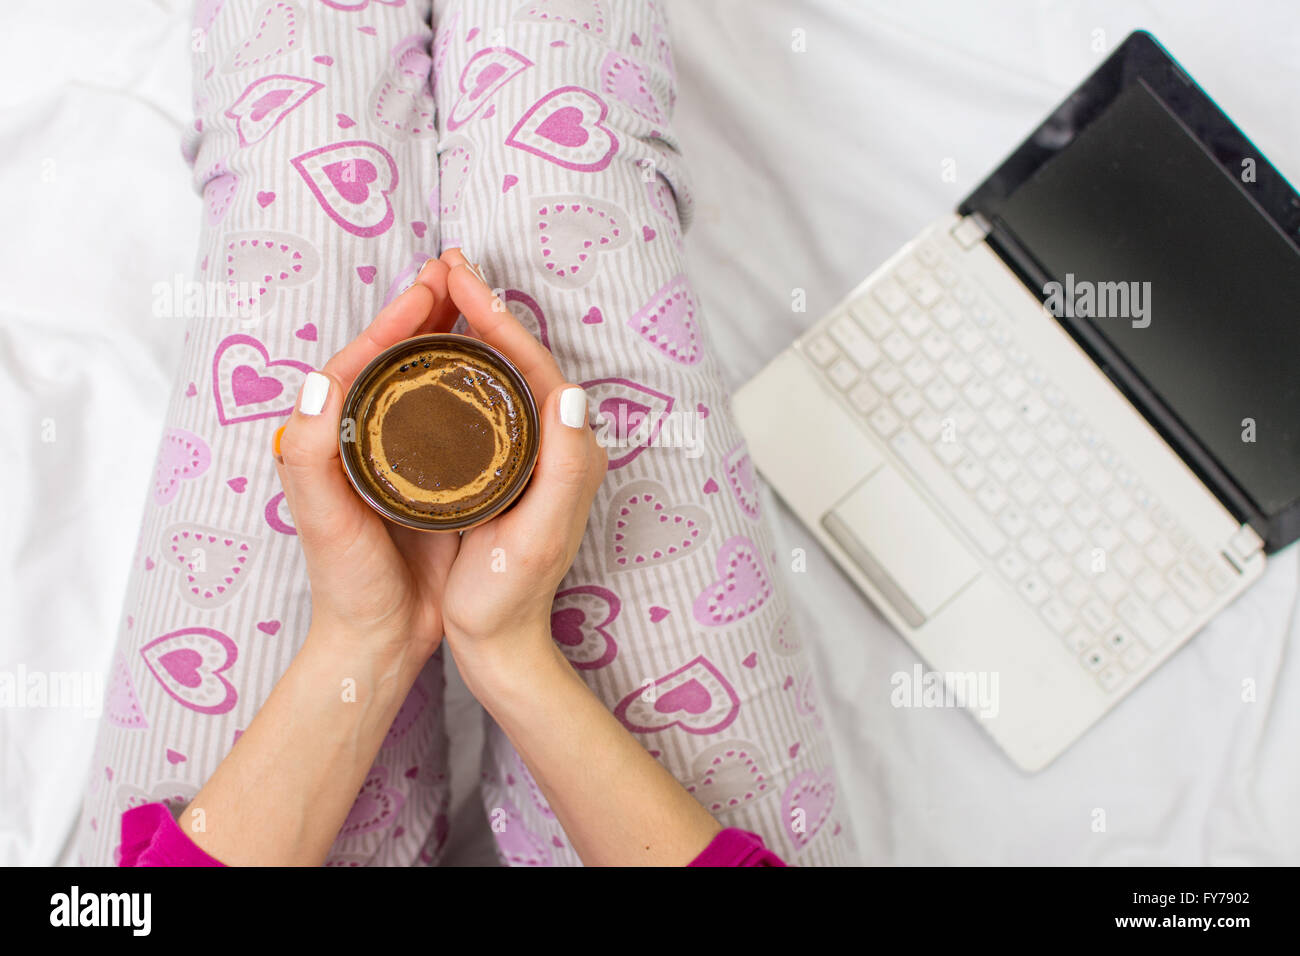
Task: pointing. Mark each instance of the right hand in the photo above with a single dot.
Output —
(500, 588)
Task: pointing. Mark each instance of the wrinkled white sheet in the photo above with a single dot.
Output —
(810, 168)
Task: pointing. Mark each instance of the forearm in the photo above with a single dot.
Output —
(281, 795)
(617, 804)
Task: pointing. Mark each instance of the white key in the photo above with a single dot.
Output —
(1075, 592)
(936, 345)
(1017, 355)
(990, 363)
(887, 379)
(1119, 640)
(849, 336)
(1139, 529)
(1053, 396)
(1219, 579)
(908, 269)
(897, 346)
(1173, 612)
(947, 314)
(1053, 434)
(1011, 564)
(1055, 570)
(821, 350)
(946, 274)
(1150, 585)
(914, 323)
(1106, 535)
(863, 397)
(1035, 546)
(968, 339)
(1094, 659)
(1000, 415)
(1096, 479)
(1057, 615)
(1161, 553)
(928, 254)
(884, 421)
(871, 318)
(1096, 615)
(843, 373)
(1064, 489)
(928, 425)
(1042, 464)
(908, 401)
(1067, 538)
(1046, 513)
(890, 295)
(949, 452)
(981, 442)
(1110, 676)
(940, 394)
(1084, 512)
(991, 497)
(1033, 588)
(1020, 441)
(935, 477)
(957, 369)
(1117, 505)
(1031, 409)
(969, 473)
(1078, 640)
(1149, 630)
(1003, 466)
(1012, 387)
(1134, 657)
(1188, 584)
(1074, 456)
(978, 393)
(1024, 489)
(1013, 521)
(925, 290)
(963, 293)
(1127, 560)
(919, 370)
(1111, 586)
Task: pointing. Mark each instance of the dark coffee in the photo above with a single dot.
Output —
(445, 432)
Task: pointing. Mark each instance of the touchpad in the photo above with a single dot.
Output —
(901, 545)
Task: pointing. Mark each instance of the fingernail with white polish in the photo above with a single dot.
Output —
(314, 392)
(477, 269)
(573, 407)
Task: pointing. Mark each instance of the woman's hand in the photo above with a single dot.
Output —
(500, 588)
(376, 587)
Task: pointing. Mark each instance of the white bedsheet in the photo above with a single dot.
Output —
(810, 168)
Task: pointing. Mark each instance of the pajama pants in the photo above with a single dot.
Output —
(338, 144)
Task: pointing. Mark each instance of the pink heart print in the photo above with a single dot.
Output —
(276, 31)
(626, 80)
(806, 805)
(729, 775)
(266, 102)
(248, 385)
(643, 527)
(741, 588)
(352, 182)
(572, 234)
(219, 192)
(486, 72)
(454, 163)
(121, 703)
(580, 617)
(588, 15)
(182, 457)
(211, 564)
(376, 806)
(190, 665)
(259, 265)
(739, 469)
(785, 639)
(668, 322)
(628, 416)
(567, 127)
(695, 697)
(516, 844)
(400, 103)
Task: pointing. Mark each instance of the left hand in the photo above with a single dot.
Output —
(376, 587)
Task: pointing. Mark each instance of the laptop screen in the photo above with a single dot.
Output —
(1159, 248)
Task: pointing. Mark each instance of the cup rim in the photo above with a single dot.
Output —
(349, 451)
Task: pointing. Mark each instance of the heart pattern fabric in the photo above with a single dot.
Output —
(121, 703)
(585, 15)
(267, 101)
(628, 81)
(401, 103)
(628, 416)
(190, 665)
(277, 31)
(580, 621)
(572, 234)
(183, 456)
(260, 265)
(484, 74)
(729, 775)
(376, 806)
(806, 805)
(211, 565)
(695, 698)
(741, 588)
(352, 182)
(567, 127)
(644, 527)
(668, 322)
(248, 385)
(739, 469)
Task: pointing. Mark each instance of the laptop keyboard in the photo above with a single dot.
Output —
(935, 372)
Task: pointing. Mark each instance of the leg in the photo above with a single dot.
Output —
(313, 146)
(561, 176)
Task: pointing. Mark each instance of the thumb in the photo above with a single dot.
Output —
(307, 457)
(570, 467)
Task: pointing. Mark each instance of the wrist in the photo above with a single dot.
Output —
(501, 667)
(378, 664)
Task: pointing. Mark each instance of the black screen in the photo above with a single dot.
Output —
(1134, 198)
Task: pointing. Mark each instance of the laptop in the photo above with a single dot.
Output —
(1059, 431)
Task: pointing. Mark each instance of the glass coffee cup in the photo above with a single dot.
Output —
(439, 433)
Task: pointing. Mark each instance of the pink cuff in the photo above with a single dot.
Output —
(733, 847)
(152, 837)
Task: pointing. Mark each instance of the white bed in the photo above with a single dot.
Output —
(810, 168)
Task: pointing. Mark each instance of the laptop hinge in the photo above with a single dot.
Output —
(971, 230)
(1244, 545)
